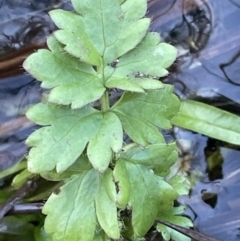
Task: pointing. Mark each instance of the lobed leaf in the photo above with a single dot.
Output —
(73, 82)
(173, 216)
(106, 209)
(154, 156)
(69, 133)
(181, 184)
(77, 219)
(90, 201)
(108, 139)
(121, 178)
(144, 59)
(133, 84)
(142, 114)
(208, 120)
(74, 37)
(134, 9)
(81, 165)
(111, 32)
(145, 190)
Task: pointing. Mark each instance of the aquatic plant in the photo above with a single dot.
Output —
(113, 188)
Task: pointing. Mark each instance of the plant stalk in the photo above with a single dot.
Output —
(105, 101)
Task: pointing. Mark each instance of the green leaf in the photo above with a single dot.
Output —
(153, 156)
(172, 216)
(138, 66)
(164, 170)
(142, 114)
(67, 130)
(107, 139)
(208, 120)
(21, 178)
(70, 131)
(144, 59)
(181, 184)
(148, 84)
(121, 178)
(76, 220)
(41, 235)
(73, 82)
(123, 83)
(73, 35)
(111, 32)
(81, 165)
(133, 84)
(134, 9)
(145, 190)
(13, 169)
(105, 207)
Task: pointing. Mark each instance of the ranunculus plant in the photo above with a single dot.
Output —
(112, 189)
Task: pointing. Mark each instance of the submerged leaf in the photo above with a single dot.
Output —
(142, 114)
(208, 120)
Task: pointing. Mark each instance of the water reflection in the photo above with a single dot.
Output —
(231, 69)
(206, 41)
(207, 35)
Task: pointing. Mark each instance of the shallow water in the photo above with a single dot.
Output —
(208, 70)
(207, 35)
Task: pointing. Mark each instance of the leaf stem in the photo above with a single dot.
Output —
(105, 101)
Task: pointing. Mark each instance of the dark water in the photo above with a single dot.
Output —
(207, 34)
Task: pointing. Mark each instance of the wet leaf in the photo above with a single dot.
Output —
(142, 114)
(77, 220)
(208, 120)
